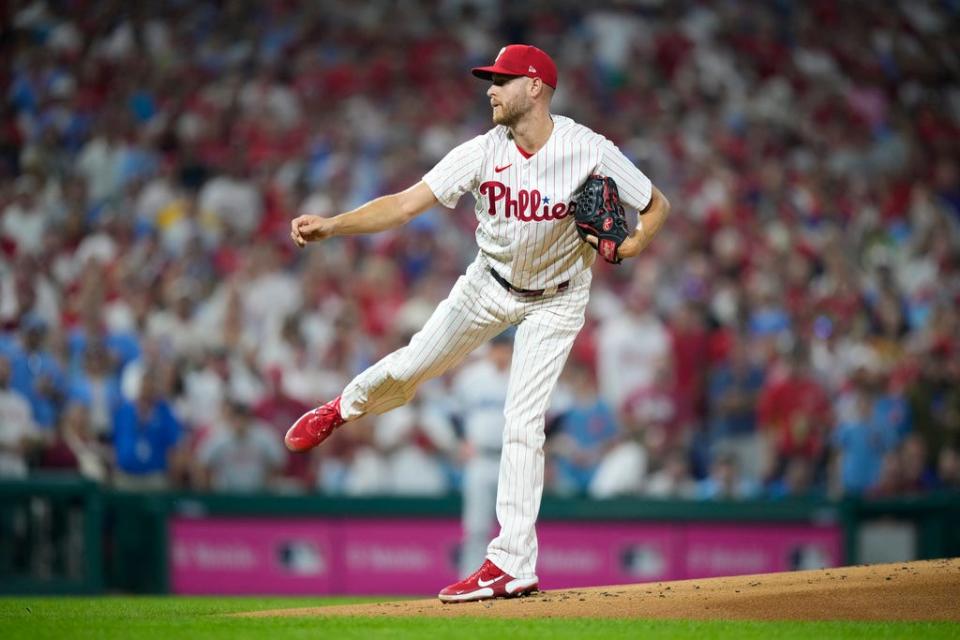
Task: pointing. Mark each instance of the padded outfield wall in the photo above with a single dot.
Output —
(61, 535)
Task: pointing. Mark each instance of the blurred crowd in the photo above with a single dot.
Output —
(793, 331)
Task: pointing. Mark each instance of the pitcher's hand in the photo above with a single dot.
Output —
(304, 229)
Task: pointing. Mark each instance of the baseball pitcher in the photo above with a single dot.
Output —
(548, 197)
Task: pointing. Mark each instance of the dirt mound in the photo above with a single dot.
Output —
(925, 590)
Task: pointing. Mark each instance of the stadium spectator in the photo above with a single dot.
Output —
(400, 452)
(733, 387)
(24, 219)
(37, 373)
(794, 411)
(354, 467)
(725, 481)
(623, 470)
(673, 479)
(18, 433)
(918, 475)
(690, 347)
(76, 447)
(654, 411)
(277, 409)
(890, 482)
(145, 434)
(414, 444)
(891, 404)
(584, 437)
(798, 481)
(233, 198)
(934, 397)
(862, 442)
(948, 469)
(97, 387)
(242, 455)
(630, 347)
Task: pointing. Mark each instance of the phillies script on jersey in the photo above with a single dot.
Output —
(523, 202)
(526, 206)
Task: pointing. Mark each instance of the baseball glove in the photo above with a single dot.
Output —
(598, 213)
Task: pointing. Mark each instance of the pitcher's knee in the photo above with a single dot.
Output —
(386, 391)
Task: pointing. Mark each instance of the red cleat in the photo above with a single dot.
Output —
(314, 427)
(489, 581)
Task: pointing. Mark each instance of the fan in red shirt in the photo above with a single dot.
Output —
(794, 410)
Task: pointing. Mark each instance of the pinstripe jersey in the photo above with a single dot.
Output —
(526, 231)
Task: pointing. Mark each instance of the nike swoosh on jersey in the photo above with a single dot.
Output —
(503, 168)
(486, 583)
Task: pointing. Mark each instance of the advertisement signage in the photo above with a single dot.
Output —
(418, 557)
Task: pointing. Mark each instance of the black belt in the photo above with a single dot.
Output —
(531, 293)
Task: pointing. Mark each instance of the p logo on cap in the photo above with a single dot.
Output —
(521, 60)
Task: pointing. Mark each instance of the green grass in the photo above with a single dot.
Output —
(145, 618)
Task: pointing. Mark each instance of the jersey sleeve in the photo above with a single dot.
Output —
(634, 187)
(457, 173)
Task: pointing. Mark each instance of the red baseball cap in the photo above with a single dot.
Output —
(521, 60)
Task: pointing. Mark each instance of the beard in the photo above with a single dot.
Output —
(509, 114)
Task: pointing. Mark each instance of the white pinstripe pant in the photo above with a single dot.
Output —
(477, 309)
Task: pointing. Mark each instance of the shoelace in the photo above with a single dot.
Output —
(481, 575)
(318, 414)
(334, 411)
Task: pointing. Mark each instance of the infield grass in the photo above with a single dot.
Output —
(169, 618)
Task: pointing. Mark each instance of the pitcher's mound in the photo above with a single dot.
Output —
(925, 590)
